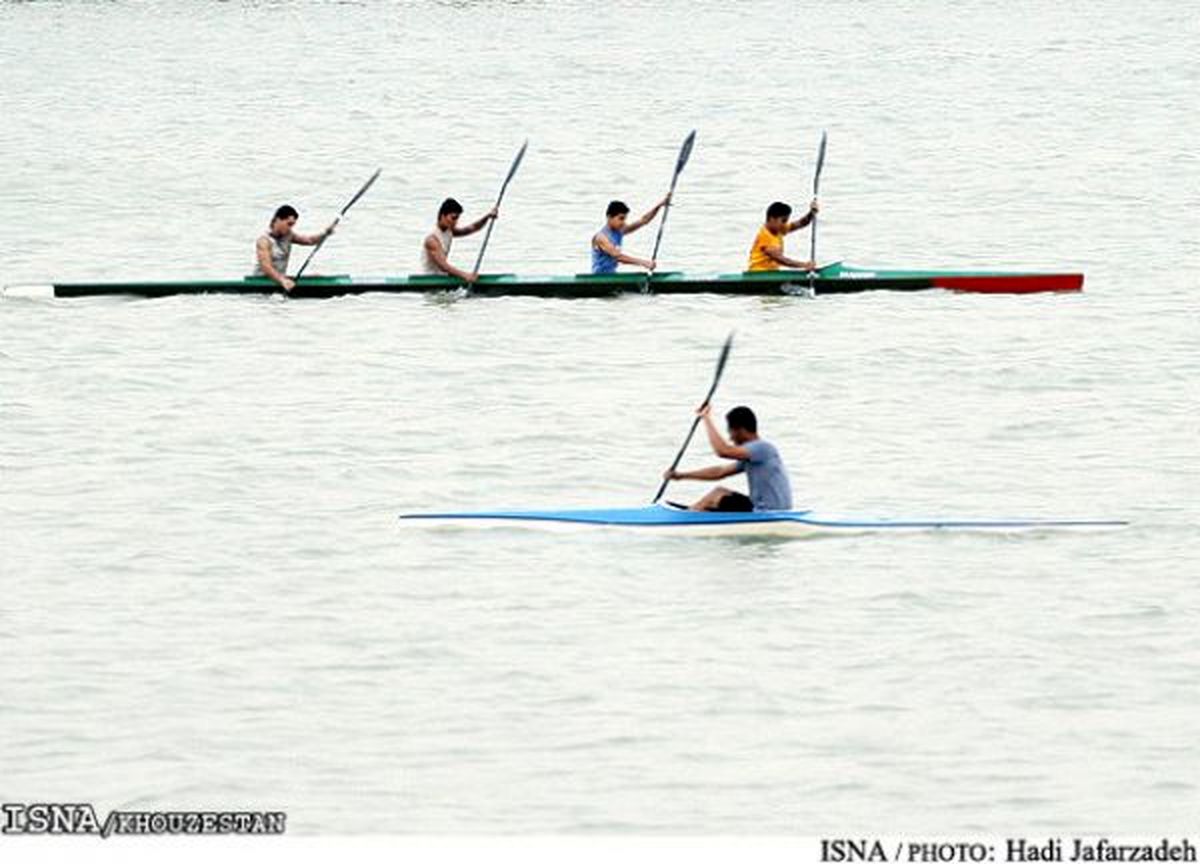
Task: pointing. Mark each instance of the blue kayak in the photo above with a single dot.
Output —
(668, 519)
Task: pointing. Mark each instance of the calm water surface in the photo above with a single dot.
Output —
(207, 600)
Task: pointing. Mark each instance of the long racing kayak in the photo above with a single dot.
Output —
(832, 279)
(667, 519)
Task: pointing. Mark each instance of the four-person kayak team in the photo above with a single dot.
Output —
(758, 459)
(274, 247)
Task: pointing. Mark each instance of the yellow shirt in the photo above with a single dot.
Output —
(759, 260)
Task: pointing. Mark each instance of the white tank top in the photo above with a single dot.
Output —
(445, 238)
(281, 251)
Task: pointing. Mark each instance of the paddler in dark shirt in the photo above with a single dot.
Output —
(765, 474)
(272, 250)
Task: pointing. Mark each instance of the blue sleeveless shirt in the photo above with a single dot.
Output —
(602, 262)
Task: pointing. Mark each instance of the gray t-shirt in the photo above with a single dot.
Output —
(281, 250)
(769, 486)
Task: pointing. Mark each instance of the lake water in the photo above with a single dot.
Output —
(208, 600)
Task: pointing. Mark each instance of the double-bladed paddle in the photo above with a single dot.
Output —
(696, 422)
(349, 204)
(685, 153)
(812, 252)
(511, 171)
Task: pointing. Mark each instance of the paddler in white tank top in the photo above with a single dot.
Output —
(435, 252)
(272, 250)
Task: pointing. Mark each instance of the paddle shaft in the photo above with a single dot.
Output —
(499, 198)
(678, 458)
(696, 422)
(685, 153)
(663, 222)
(345, 209)
(487, 236)
(812, 250)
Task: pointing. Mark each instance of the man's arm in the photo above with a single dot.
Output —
(606, 246)
(312, 239)
(715, 440)
(263, 249)
(647, 217)
(478, 224)
(716, 472)
(774, 254)
(813, 209)
(434, 250)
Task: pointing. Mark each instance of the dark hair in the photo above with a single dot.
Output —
(742, 417)
(616, 208)
(778, 210)
(449, 207)
(287, 211)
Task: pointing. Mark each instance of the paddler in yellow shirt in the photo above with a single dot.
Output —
(767, 251)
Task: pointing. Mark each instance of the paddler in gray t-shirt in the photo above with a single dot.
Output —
(765, 474)
(435, 251)
(273, 249)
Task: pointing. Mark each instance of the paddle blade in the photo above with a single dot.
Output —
(517, 162)
(820, 162)
(721, 360)
(685, 152)
(511, 171)
(363, 191)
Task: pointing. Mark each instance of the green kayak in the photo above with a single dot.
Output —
(832, 279)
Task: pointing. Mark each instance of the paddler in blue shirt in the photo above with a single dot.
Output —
(606, 243)
(765, 474)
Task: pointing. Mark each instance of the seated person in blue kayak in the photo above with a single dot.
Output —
(765, 474)
(606, 243)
